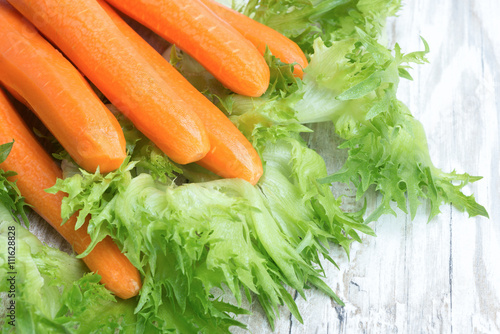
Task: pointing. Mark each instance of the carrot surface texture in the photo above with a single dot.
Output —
(36, 171)
(195, 29)
(231, 155)
(261, 36)
(36, 73)
(88, 37)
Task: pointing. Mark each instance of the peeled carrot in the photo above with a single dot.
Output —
(261, 36)
(88, 37)
(36, 73)
(36, 171)
(195, 29)
(231, 154)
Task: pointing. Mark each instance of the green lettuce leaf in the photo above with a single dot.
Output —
(305, 21)
(387, 145)
(189, 239)
(49, 291)
(10, 195)
(221, 232)
(54, 293)
(353, 84)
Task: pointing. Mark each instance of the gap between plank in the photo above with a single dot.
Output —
(450, 270)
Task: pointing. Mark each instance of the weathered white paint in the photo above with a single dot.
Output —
(415, 277)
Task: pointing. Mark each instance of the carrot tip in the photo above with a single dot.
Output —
(135, 287)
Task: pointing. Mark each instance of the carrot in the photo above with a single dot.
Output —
(194, 28)
(261, 36)
(36, 171)
(231, 154)
(88, 37)
(48, 83)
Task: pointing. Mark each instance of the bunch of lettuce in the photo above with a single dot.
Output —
(187, 239)
(352, 82)
(190, 232)
(43, 289)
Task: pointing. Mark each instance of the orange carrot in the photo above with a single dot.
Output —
(261, 36)
(48, 83)
(88, 37)
(194, 28)
(231, 154)
(36, 171)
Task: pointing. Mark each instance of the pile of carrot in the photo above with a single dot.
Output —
(139, 82)
(35, 72)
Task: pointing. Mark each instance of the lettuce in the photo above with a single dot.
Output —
(330, 20)
(191, 238)
(10, 196)
(353, 84)
(54, 292)
(219, 233)
(387, 145)
(46, 290)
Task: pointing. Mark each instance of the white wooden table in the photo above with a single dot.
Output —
(441, 277)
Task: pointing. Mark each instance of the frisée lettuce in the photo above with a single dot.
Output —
(352, 82)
